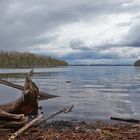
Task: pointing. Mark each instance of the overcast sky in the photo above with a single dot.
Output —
(78, 31)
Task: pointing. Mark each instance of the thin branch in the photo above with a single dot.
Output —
(39, 120)
(65, 110)
(21, 130)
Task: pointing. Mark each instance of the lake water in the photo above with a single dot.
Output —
(97, 92)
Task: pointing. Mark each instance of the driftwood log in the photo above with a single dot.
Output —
(130, 120)
(26, 103)
(39, 120)
(13, 114)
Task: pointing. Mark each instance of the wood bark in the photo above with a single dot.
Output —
(27, 102)
(21, 130)
(13, 114)
(38, 120)
(22, 106)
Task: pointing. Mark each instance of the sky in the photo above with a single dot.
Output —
(78, 31)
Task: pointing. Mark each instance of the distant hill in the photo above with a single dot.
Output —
(16, 59)
(137, 63)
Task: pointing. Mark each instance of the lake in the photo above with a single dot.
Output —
(97, 92)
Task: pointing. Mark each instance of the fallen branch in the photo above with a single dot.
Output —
(10, 84)
(65, 110)
(39, 120)
(21, 130)
(125, 119)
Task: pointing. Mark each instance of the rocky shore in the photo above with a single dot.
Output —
(68, 130)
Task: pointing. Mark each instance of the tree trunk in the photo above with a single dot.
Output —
(23, 106)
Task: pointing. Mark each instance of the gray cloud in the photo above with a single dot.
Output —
(78, 45)
(27, 25)
(133, 38)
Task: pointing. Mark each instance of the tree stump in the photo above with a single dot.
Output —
(14, 113)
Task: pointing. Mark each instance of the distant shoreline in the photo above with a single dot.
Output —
(28, 60)
(33, 67)
(58, 66)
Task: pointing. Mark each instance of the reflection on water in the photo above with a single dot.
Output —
(97, 92)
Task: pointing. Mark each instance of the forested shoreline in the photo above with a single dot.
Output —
(137, 63)
(26, 59)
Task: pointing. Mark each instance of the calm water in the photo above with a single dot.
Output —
(97, 92)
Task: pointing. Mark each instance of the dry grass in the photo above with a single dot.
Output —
(66, 130)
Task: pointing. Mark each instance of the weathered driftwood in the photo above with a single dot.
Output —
(41, 95)
(13, 123)
(8, 116)
(21, 130)
(37, 120)
(24, 105)
(11, 120)
(125, 119)
(8, 107)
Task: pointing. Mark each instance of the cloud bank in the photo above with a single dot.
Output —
(78, 31)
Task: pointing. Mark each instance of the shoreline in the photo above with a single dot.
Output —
(81, 130)
(34, 67)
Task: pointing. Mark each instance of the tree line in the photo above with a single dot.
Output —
(26, 59)
(137, 63)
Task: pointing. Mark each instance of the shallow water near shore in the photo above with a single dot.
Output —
(97, 92)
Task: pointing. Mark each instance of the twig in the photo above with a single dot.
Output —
(39, 120)
(65, 110)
